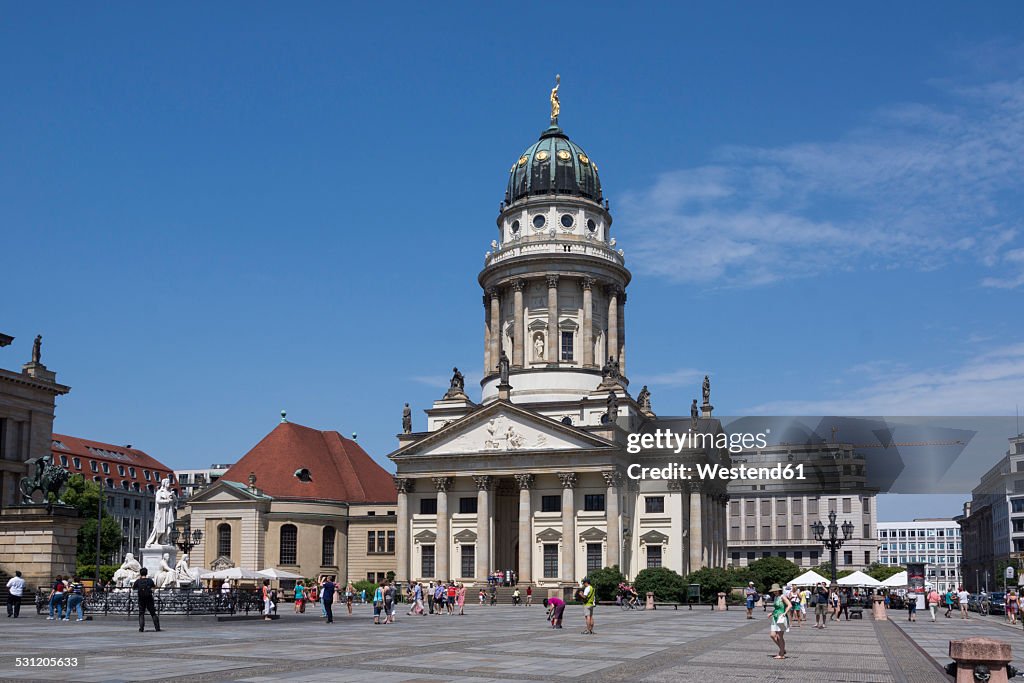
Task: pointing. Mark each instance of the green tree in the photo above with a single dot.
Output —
(85, 496)
(606, 581)
(666, 585)
(769, 570)
(882, 572)
(713, 581)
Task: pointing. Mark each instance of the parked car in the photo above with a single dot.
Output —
(997, 603)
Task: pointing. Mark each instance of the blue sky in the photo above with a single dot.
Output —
(215, 212)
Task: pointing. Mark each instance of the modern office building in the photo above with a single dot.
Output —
(193, 481)
(936, 542)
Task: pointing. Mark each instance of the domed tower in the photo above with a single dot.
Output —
(554, 283)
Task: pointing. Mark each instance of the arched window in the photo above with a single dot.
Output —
(289, 541)
(224, 540)
(327, 552)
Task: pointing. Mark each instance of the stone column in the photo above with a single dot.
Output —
(568, 480)
(613, 479)
(622, 334)
(696, 528)
(495, 330)
(484, 486)
(519, 345)
(588, 322)
(403, 487)
(551, 352)
(677, 486)
(613, 322)
(443, 543)
(525, 482)
(487, 337)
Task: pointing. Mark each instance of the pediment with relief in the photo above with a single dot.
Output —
(504, 431)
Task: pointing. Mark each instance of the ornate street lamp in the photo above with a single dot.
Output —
(832, 542)
(187, 539)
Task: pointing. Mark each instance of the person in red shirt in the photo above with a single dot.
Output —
(529, 595)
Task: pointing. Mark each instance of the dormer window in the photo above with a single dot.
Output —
(303, 474)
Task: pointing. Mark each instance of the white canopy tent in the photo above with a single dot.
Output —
(896, 580)
(278, 574)
(859, 578)
(235, 573)
(809, 578)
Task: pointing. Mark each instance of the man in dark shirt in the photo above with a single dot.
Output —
(327, 596)
(144, 585)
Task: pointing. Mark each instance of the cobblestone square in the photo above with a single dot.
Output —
(487, 644)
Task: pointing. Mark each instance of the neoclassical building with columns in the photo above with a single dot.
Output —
(532, 477)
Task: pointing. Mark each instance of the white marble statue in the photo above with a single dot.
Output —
(165, 577)
(126, 574)
(184, 575)
(163, 519)
(538, 348)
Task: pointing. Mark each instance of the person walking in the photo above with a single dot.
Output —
(555, 610)
(589, 601)
(267, 602)
(460, 597)
(144, 587)
(76, 596)
(15, 591)
(911, 607)
(781, 608)
(57, 598)
(327, 590)
(1012, 605)
(793, 594)
(750, 595)
(948, 597)
(833, 601)
(844, 603)
(529, 595)
(450, 595)
(389, 602)
(933, 602)
(300, 606)
(417, 600)
(378, 603)
(515, 597)
(350, 596)
(820, 605)
(963, 597)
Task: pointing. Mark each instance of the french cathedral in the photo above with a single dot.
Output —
(532, 477)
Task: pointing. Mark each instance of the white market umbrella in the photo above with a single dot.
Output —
(279, 574)
(235, 573)
(896, 580)
(810, 578)
(859, 578)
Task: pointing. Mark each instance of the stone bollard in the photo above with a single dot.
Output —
(878, 608)
(975, 657)
(721, 602)
(650, 600)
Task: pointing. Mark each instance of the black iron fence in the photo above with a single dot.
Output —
(169, 601)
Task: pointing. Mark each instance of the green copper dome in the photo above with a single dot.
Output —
(553, 165)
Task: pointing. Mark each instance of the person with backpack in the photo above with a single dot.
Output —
(378, 603)
(144, 587)
(589, 601)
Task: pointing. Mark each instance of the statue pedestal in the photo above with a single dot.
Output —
(150, 558)
(39, 542)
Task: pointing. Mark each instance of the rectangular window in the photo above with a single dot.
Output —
(780, 506)
(814, 557)
(847, 557)
(550, 560)
(426, 562)
(566, 345)
(381, 542)
(751, 556)
(654, 504)
(781, 532)
(1016, 504)
(550, 503)
(1018, 526)
(467, 506)
(95, 468)
(734, 508)
(847, 505)
(766, 508)
(595, 559)
(468, 559)
(867, 531)
(391, 541)
(593, 502)
(832, 505)
(798, 507)
(428, 506)
(653, 556)
(812, 506)
(736, 559)
(371, 541)
(749, 508)
(766, 532)
(798, 557)
(751, 533)
(867, 557)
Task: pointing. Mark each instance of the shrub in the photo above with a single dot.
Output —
(769, 570)
(666, 585)
(606, 581)
(368, 586)
(87, 572)
(712, 581)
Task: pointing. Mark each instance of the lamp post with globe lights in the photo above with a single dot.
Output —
(833, 542)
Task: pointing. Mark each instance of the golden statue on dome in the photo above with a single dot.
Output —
(555, 106)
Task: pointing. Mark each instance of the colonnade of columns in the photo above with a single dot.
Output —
(704, 515)
(615, 332)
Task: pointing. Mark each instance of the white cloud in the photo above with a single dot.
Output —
(675, 378)
(990, 383)
(916, 186)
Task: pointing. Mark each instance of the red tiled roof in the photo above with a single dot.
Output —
(85, 450)
(339, 469)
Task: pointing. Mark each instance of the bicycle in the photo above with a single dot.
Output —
(632, 603)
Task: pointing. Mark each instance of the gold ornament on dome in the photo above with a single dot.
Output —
(593, 165)
(583, 159)
(522, 160)
(543, 155)
(511, 170)
(564, 155)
